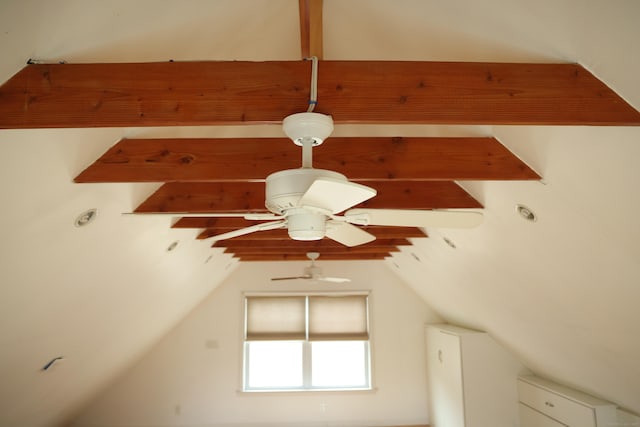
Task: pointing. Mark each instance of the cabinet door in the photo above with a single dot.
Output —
(445, 379)
(532, 418)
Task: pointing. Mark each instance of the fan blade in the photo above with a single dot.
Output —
(290, 278)
(413, 218)
(242, 231)
(335, 195)
(261, 216)
(334, 279)
(347, 234)
(250, 216)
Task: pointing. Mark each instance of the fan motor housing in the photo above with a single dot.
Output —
(285, 188)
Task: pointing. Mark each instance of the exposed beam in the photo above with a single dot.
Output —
(280, 235)
(310, 28)
(210, 197)
(379, 232)
(303, 257)
(166, 160)
(343, 250)
(238, 92)
(274, 235)
(212, 223)
(312, 246)
(226, 224)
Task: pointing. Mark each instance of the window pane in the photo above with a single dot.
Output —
(339, 364)
(274, 364)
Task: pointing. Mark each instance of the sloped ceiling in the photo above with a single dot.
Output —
(560, 292)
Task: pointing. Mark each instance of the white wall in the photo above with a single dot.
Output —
(193, 375)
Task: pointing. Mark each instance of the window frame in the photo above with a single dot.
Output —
(307, 346)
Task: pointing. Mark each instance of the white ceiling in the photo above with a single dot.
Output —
(562, 293)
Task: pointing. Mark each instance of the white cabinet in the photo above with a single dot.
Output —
(472, 379)
(531, 417)
(542, 400)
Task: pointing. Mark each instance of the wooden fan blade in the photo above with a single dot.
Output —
(249, 216)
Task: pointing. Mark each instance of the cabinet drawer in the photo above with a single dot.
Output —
(558, 407)
(531, 418)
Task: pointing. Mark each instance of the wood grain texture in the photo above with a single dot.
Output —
(211, 197)
(282, 234)
(310, 28)
(303, 257)
(237, 92)
(311, 246)
(362, 159)
(379, 232)
(226, 224)
(344, 250)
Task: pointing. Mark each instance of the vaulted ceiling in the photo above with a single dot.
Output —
(461, 105)
(218, 175)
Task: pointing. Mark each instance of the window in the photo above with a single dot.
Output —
(306, 342)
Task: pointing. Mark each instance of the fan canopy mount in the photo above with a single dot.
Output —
(301, 127)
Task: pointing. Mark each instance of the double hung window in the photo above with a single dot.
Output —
(306, 342)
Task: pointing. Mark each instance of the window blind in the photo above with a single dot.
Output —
(275, 318)
(327, 318)
(338, 318)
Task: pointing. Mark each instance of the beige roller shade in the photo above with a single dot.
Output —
(338, 318)
(275, 318)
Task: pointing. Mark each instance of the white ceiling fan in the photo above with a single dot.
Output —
(307, 201)
(314, 273)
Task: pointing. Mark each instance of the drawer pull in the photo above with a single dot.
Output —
(549, 404)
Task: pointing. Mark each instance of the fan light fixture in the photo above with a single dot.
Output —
(306, 225)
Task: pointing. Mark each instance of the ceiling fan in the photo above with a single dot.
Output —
(307, 201)
(314, 273)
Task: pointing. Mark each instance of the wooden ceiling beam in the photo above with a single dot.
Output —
(379, 232)
(226, 224)
(310, 28)
(303, 257)
(211, 197)
(281, 234)
(239, 92)
(311, 246)
(167, 160)
(325, 251)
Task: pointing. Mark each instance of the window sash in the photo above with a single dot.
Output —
(307, 318)
(307, 374)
